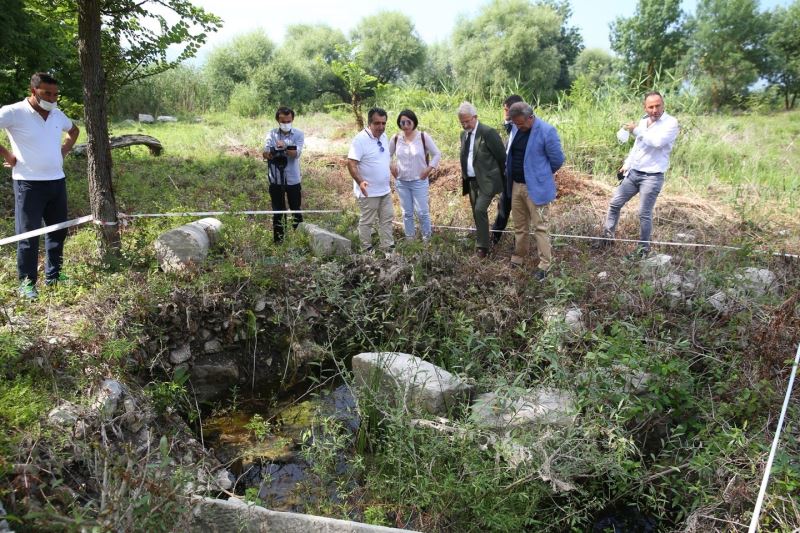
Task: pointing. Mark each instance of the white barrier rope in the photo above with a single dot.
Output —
(768, 470)
(47, 229)
(614, 239)
(217, 213)
(123, 216)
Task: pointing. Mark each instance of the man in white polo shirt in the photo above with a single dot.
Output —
(35, 128)
(368, 162)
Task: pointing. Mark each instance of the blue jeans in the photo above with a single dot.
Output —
(414, 199)
(648, 186)
(35, 201)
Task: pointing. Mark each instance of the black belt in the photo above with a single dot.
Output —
(648, 173)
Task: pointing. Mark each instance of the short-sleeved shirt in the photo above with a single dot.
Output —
(296, 138)
(35, 142)
(373, 163)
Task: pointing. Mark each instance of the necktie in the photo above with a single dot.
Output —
(465, 152)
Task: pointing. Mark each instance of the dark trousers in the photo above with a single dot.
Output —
(503, 214)
(35, 201)
(293, 194)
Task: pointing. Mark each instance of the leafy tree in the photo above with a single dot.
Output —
(389, 45)
(570, 42)
(726, 52)
(29, 43)
(358, 82)
(511, 43)
(283, 81)
(137, 52)
(436, 72)
(782, 66)
(651, 42)
(234, 63)
(317, 46)
(596, 66)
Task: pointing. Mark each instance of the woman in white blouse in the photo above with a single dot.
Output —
(415, 155)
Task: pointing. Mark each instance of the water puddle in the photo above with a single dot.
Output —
(261, 442)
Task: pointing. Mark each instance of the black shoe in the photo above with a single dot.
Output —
(539, 275)
(481, 253)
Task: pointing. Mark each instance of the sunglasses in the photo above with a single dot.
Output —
(406, 123)
(380, 145)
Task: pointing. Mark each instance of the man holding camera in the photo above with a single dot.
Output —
(643, 170)
(282, 149)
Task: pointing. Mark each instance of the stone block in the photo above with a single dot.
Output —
(410, 381)
(187, 246)
(507, 412)
(325, 243)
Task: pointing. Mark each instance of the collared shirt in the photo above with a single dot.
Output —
(35, 142)
(411, 155)
(373, 163)
(295, 137)
(650, 152)
(470, 168)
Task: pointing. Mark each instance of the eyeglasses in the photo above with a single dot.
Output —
(380, 145)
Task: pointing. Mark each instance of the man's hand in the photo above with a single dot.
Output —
(9, 160)
(630, 126)
(267, 155)
(65, 149)
(363, 186)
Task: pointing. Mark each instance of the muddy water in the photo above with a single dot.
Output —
(265, 453)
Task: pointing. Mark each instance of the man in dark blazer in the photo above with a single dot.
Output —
(483, 159)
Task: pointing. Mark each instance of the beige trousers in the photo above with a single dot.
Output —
(380, 209)
(524, 211)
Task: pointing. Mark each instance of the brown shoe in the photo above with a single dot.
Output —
(481, 253)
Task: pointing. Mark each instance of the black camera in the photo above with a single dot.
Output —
(279, 157)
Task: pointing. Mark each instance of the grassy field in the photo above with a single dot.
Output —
(689, 453)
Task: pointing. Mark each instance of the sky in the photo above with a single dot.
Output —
(434, 19)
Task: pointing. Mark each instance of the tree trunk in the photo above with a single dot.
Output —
(101, 191)
(356, 103)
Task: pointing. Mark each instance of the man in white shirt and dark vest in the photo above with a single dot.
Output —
(35, 129)
(643, 170)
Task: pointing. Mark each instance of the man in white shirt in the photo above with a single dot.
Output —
(643, 170)
(35, 128)
(369, 164)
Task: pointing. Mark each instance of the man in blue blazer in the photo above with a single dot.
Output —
(533, 155)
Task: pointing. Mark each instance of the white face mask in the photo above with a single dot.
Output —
(47, 106)
(623, 135)
(286, 127)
